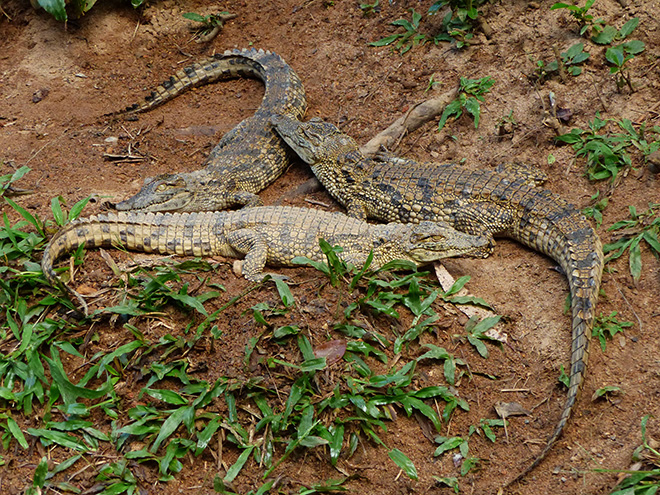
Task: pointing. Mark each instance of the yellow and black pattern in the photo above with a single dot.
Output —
(268, 235)
(479, 202)
(247, 158)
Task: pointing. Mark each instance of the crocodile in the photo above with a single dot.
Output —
(272, 235)
(479, 202)
(247, 159)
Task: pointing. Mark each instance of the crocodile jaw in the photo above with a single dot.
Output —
(431, 241)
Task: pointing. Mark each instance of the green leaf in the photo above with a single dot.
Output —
(652, 240)
(606, 36)
(40, 473)
(77, 209)
(170, 425)
(416, 17)
(16, 432)
(56, 208)
(60, 438)
(560, 5)
(233, 471)
(336, 443)
(387, 40)
(315, 364)
(458, 285)
(615, 56)
(573, 51)
(56, 8)
(285, 331)
(284, 292)
(166, 396)
(635, 260)
(27, 216)
(447, 444)
(451, 110)
(634, 47)
(401, 460)
(629, 27)
(69, 391)
(195, 17)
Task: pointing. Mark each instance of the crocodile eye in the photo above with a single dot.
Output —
(161, 187)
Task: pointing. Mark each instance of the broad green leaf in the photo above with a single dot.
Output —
(447, 444)
(56, 8)
(235, 468)
(560, 5)
(652, 239)
(635, 260)
(387, 40)
(336, 443)
(56, 208)
(629, 27)
(606, 36)
(78, 208)
(16, 432)
(402, 460)
(614, 55)
(284, 292)
(170, 425)
(168, 396)
(458, 285)
(40, 473)
(69, 391)
(194, 17)
(573, 51)
(634, 47)
(60, 438)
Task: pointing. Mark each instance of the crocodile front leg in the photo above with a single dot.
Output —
(247, 199)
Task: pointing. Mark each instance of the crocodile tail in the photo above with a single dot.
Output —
(180, 233)
(583, 264)
(252, 63)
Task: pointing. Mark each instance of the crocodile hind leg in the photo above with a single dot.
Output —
(254, 246)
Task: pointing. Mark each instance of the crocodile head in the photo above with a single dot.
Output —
(192, 191)
(315, 140)
(431, 241)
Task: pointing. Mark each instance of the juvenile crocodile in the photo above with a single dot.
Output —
(272, 235)
(479, 202)
(247, 158)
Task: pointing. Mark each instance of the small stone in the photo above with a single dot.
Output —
(39, 95)
(654, 162)
(111, 139)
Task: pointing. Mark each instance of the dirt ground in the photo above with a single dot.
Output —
(55, 85)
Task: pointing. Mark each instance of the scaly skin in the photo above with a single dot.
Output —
(247, 159)
(272, 235)
(480, 202)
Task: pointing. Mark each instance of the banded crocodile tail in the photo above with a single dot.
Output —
(252, 63)
(580, 255)
(189, 234)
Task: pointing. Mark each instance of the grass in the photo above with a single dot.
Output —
(470, 96)
(175, 414)
(606, 152)
(62, 10)
(640, 229)
(456, 26)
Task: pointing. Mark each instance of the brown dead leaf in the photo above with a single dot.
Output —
(332, 350)
(86, 290)
(507, 409)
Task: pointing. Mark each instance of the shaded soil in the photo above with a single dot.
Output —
(55, 85)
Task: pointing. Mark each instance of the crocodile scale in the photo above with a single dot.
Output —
(479, 202)
(247, 159)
